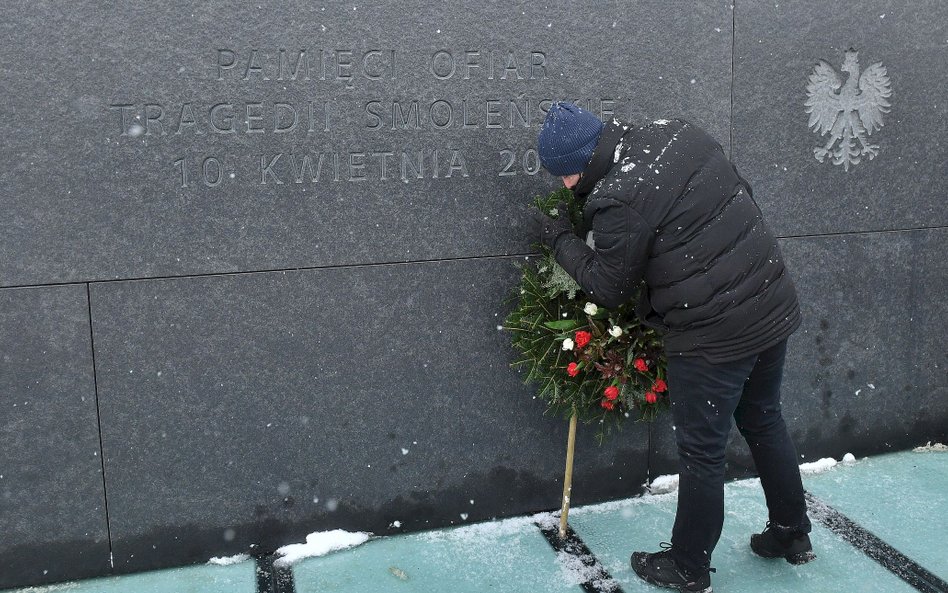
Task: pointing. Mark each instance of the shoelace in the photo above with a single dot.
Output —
(667, 547)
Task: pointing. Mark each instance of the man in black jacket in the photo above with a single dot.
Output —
(665, 205)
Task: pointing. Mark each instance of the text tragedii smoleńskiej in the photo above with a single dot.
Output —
(328, 105)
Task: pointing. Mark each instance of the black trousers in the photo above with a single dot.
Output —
(704, 397)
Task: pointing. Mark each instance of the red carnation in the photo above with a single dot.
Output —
(572, 369)
(582, 338)
(651, 397)
(607, 404)
(640, 365)
(611, 392)
(659, 386)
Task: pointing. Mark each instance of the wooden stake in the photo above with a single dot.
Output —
(568, 480)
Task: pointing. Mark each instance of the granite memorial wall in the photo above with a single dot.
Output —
(254, 257)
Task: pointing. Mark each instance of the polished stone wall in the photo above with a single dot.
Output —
(279, 403)
(255, 257)
(776, 47)
(52, 497)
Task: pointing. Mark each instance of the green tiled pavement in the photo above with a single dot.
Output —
(509, 556)
(613, 530)
(901, 497)
(235, 578)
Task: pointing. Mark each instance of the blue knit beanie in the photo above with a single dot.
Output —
(567, 139)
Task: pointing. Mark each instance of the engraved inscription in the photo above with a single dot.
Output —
(253, 117)
(529, 161)
(355, 166)
(302, 166)
(445, 64)
(211, 171)
(467, 114)
(307, 124)
(305, 64)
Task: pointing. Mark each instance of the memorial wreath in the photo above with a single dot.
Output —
(589, 363)
(603, 365)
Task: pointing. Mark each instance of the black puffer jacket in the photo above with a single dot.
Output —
(665, 205)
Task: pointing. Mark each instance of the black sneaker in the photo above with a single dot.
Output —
(777, 541)
(662, 570)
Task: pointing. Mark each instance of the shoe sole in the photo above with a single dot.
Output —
(800, 557)
(652, 581)
(794, 558)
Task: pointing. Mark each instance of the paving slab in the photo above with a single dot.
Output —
(614, 530)
(898, 497)
(503, 556)
(207, 578)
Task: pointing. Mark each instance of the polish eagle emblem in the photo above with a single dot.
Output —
(849, 112)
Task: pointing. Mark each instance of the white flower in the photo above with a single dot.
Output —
(591, 309)
(567, 344)
(615, 331)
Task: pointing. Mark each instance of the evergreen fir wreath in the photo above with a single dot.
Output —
(589, 363)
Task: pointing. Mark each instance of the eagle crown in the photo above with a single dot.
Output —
(851, 62)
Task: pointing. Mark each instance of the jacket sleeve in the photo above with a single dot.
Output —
(610, 273)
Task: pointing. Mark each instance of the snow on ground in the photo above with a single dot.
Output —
(663, 484)
(931, 448)
(575, 570)
(626, 507)
(669, 483)
(320, 543)
(817, 467)
(491, 530)
(228, 560)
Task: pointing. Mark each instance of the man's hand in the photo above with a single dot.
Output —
(547, 229)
